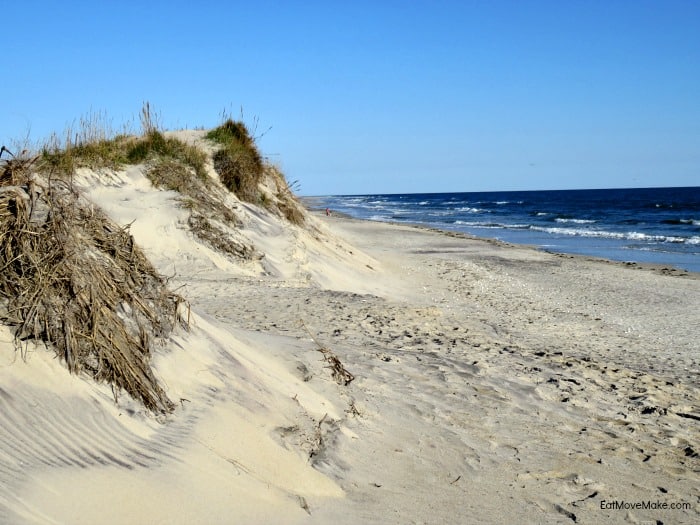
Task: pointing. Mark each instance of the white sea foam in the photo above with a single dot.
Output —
(630, 236)
(479, 224)
(574, 221)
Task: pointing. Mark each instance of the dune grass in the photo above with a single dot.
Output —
(94, 145)
(155, 146)
(238, 162)
(241, 169)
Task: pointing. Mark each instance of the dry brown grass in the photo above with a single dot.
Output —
(341, 374)
(287, 203)
(76, 281)
(209, 216)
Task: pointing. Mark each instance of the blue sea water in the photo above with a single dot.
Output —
(652, 225)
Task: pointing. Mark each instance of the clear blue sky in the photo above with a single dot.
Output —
(383, 96)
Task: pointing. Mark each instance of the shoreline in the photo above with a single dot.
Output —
(515, 261)
(664, 269)
(646, 244)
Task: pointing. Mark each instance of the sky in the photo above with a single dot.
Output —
(369, 97)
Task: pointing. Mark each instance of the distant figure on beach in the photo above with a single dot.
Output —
(328, 212)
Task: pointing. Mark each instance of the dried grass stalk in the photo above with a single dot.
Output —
(76, 281)
(341, 374)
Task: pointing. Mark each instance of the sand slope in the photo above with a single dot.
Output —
(493, 384)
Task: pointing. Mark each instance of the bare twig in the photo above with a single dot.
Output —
(341, 374)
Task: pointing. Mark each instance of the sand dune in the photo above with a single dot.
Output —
(492, 384)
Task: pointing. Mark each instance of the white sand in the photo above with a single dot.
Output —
(493, 384)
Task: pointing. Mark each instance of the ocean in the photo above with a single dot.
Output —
(645, 225)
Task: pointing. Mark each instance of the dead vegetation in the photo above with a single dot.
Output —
(341, 374)
(76, 281)
(211, 219)
(216, 236)
(284, 199)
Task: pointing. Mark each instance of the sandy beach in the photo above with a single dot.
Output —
(484, 383)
